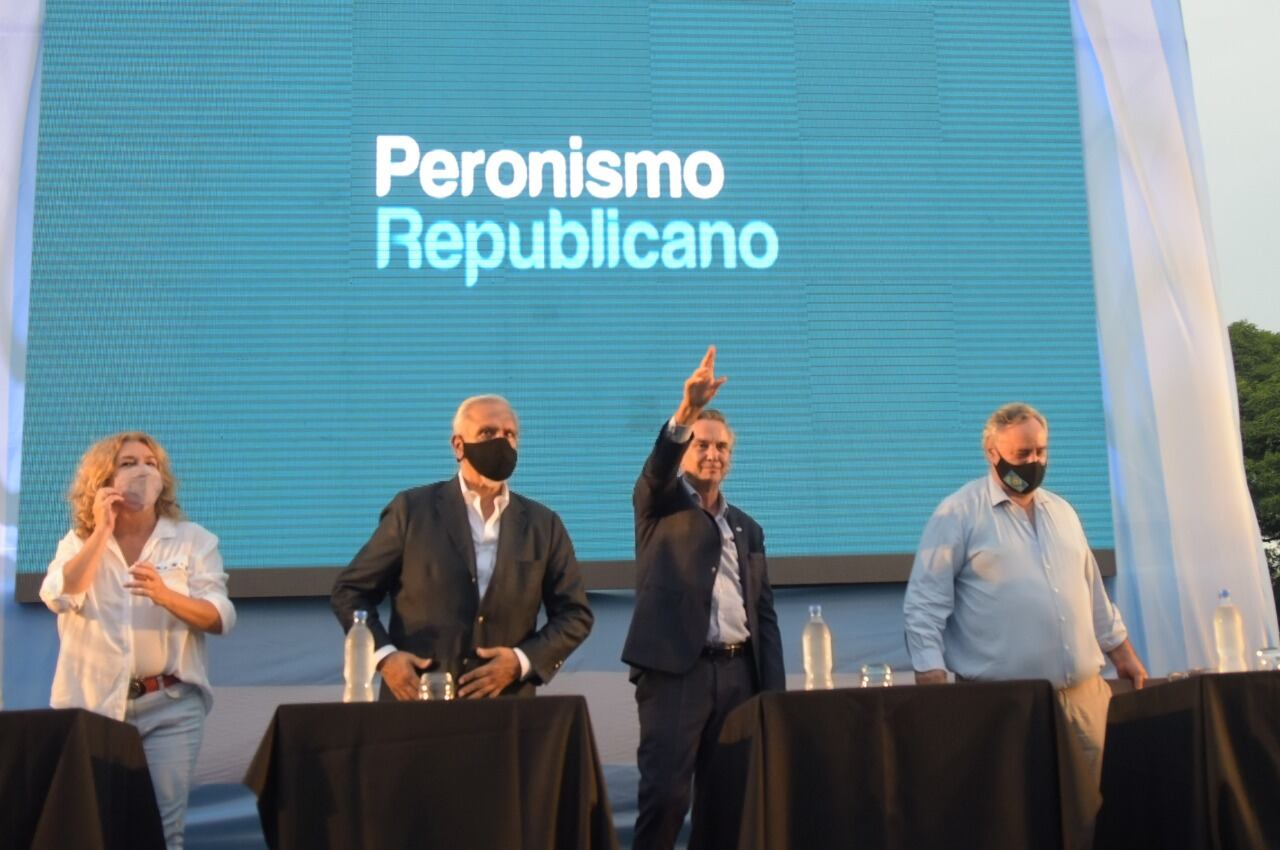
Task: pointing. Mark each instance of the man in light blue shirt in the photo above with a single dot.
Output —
(1004, 585)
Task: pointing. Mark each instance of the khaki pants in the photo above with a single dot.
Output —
(1085, 707)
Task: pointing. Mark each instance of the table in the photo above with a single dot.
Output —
(72, 778)
(972, 765)
(500, 773)
(1194, 763)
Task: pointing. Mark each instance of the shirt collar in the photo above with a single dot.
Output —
(165, 528)
(697, 497)
(470, 496)
(998, 494)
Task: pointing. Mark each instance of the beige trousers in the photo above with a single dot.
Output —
(1085, 707)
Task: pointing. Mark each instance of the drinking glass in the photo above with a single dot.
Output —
(1187, 674)
(876, 676)
(1269, 658)
(435, 685)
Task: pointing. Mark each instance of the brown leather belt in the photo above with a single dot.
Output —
(725, 650)
(151, 684)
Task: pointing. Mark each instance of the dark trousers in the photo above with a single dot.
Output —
(680, 721)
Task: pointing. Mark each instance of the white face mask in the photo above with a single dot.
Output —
(140, 484)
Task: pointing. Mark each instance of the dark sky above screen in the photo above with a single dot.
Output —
(879, 218)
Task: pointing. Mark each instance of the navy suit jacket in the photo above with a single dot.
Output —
(422, 556)
(677, 554)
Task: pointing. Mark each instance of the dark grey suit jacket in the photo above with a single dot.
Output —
(422, 556)
(677, 553)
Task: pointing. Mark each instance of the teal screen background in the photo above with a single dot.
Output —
(204, 262)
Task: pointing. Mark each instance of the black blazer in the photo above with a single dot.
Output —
(422, 555)
(677, 551)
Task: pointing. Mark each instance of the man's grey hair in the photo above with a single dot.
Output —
(1010, 414)
(460, 417)
(716, 416)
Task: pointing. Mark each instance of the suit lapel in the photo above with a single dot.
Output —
(511, 531)
(744, 551)
(453, 511)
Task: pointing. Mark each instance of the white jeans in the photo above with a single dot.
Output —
(171, 724)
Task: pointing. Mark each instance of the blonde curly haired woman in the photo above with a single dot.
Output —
(136, 587)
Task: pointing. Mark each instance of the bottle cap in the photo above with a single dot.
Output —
(815, 610)
(1224, 594)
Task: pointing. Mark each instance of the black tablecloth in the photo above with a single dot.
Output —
(503, 773)
(72, 778)
(946, 766)
(1194, 763)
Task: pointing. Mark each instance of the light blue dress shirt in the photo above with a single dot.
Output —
(993, 596)
(728, 610)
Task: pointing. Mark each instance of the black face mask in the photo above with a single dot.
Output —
(494, 459)
(1022, 478)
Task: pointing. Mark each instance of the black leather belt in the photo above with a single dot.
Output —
(725, 650)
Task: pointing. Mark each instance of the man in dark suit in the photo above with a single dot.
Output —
(704, 635)
(468, 563)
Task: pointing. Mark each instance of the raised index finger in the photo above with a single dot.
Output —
(709, 359)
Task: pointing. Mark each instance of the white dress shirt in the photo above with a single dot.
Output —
(993, 596)
(484, 532)
(728, 610)
(484, 538)
(107, 635)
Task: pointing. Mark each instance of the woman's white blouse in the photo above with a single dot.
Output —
(108, 635)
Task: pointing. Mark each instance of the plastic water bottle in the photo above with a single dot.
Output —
(816, 643)
(357, 664)
(1228, 634)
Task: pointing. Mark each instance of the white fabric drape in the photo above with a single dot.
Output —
(20, 22)
(1184, 525)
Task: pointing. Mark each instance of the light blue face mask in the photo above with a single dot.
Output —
(141, 486)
